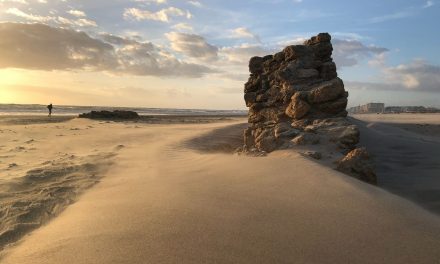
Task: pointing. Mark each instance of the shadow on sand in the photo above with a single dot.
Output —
(407, 160)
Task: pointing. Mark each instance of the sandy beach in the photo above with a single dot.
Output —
(174, 192)
(406, 148)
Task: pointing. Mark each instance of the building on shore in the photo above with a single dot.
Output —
(367, 108)
(411, 109)
(373, 108)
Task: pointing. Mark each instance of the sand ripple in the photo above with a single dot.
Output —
(28, 202)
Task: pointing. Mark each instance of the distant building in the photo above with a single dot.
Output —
(368, 108)
(372, 108)
(411, 109)
(394, 109)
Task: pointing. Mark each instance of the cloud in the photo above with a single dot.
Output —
(38, 46)
(42, 47)
(241, 54)
(80, 22)
(192, 45)
(349, 52)
(195, 3)
(15, 1)
(243, 32)
(428, 4)
(77, 13)
(117, 40)
(416, 76)
(17, 12)
(393, 16)
(158, 2)
(163, 15)
(183, 27)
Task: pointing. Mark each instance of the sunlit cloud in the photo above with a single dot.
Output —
(80, 22)
(243, 32)
(183, 27)
(77, 13)
(14, 1)
(17, 12)
(41, 47)
(192, 45)
(163, 15)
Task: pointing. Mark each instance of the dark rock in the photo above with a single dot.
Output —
(256, 65)
(327, 71)
(307, 73)
(297, 108)
(300, 124)
(349, 137)
(253, 84)
(306, 139)
(117, 114)
(327, 91)
(284, 130)
(321, 37)
(250, 98)
(357, 163)
(296, 98)
(296, 51)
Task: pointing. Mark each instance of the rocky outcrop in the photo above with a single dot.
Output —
(357, 163)
(117, 114)
(296, 99)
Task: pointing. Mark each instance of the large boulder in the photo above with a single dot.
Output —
(296, 100)
(358, 164)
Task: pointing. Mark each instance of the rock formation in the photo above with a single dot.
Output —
(295, 99)
(117, 114)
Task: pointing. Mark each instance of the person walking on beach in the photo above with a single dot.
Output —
(49, 107)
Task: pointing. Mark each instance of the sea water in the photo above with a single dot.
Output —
(35, 109)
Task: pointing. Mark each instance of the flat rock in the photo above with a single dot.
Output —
(117, 114)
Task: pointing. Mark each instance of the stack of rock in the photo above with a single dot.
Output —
(296, 98)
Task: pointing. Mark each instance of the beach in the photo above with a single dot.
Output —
(406, 148)
(173, 191)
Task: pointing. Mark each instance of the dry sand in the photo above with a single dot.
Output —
(406, 148)
(174, 194)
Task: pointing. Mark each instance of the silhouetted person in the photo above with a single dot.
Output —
(49, 107)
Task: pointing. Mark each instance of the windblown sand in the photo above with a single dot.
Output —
(175, 194)
(406, 148)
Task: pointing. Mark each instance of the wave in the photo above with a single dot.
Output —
(36, 109)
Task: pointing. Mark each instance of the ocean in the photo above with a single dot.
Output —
(35, 109)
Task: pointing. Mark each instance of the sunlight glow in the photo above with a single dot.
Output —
(11, 77)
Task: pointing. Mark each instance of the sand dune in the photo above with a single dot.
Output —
(30, 201)
(172, 197)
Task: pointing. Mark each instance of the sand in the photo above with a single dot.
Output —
(174, 193)
(406, 148)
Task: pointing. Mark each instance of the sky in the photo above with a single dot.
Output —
(194, 54)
